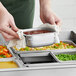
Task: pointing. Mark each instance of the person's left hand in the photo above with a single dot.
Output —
(48, 16)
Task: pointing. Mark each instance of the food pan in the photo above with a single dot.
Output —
(41, 39)
(67, 61)
(18, 62)
(73, 36)
(54, 50)
(66, 50)
(5, 51)
(37, 58)
(13, 55)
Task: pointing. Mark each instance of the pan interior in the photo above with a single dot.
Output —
(38, 59)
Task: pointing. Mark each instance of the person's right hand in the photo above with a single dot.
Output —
(7, 24)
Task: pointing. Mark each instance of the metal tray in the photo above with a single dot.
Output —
(66, 50)
(18, 62)
(69, 61)
(13, 55)
(42, 39)
(37, 58)
(73, 36)
(56, 50)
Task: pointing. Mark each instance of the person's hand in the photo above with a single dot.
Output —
(48, 16)
(7, 24)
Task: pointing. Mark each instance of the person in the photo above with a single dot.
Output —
(19, 14)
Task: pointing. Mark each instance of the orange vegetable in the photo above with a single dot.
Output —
(8, 55)
(57, 45)
(4, 51)
(1, 46)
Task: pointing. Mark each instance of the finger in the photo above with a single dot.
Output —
(9, 31)
(51, 20)
(7, 36)
(0, 31)
(43, 20)
(58, 22)
(13, 25)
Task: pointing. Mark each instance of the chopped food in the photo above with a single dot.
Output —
(10, 64)
(4, 52)
(66, 57)
(60, 45)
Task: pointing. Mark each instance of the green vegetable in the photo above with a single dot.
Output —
(55, 47)
(66, 57)
(3, 56)
(27, 49)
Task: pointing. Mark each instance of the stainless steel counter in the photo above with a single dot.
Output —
(43, 69)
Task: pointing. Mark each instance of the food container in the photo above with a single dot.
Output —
(13, 55)
(73, 36)
(37, 58)
(43, 66)
(48, 37)
(64, 53)
(10, 63)
(66, 50)
(6, 52)
(53, 50)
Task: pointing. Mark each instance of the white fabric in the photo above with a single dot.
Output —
(19, 43)
(55, 28)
